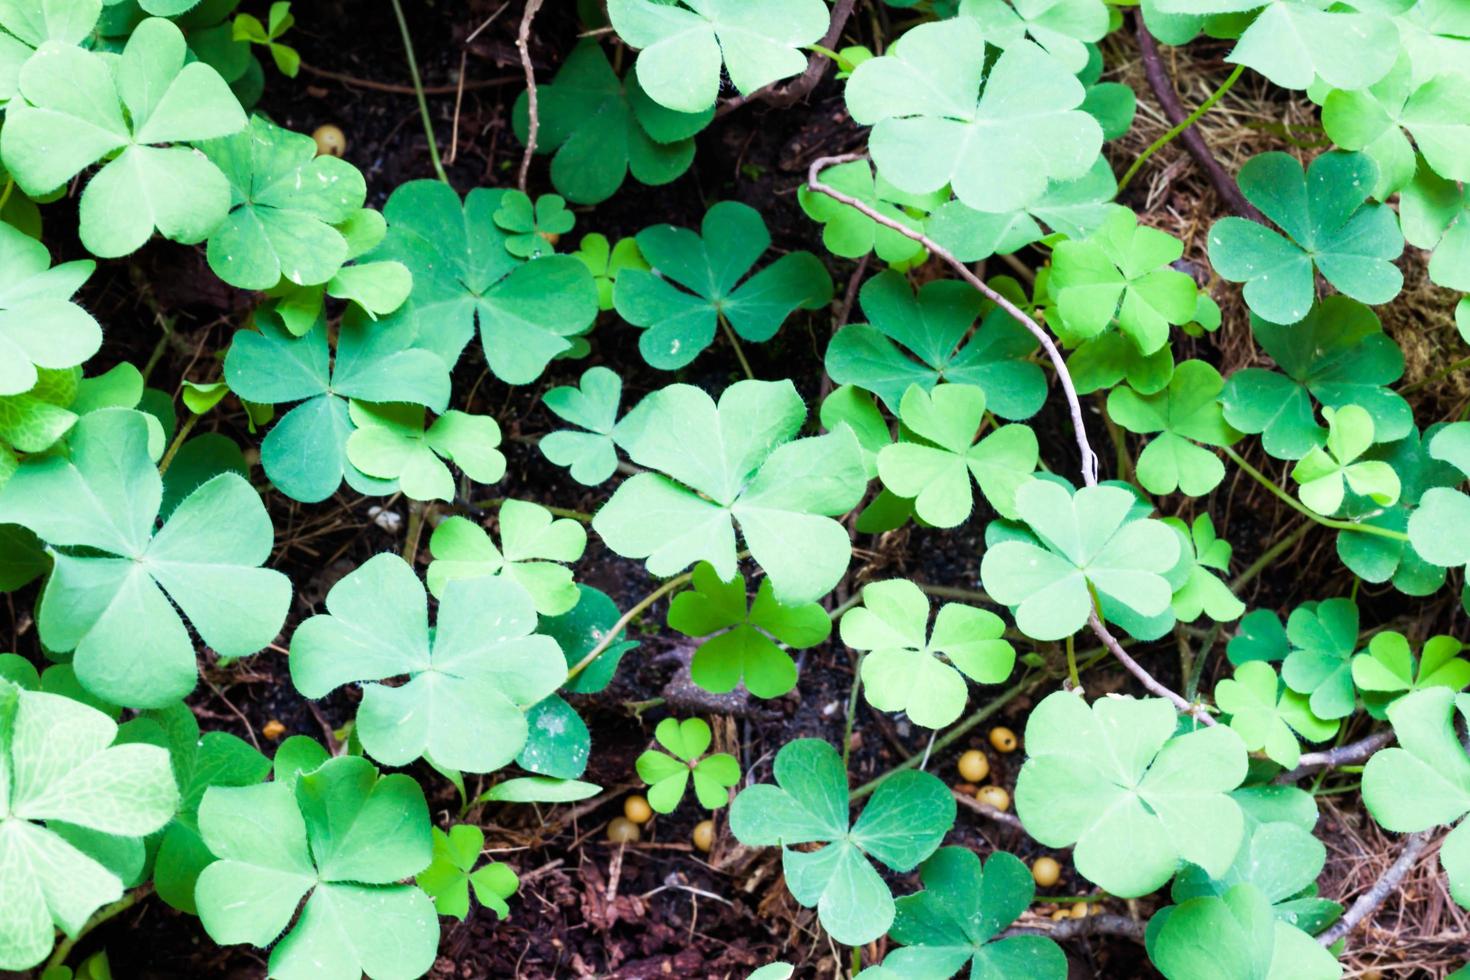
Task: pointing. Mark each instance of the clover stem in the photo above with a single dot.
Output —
(1120, 441)
(417, 513)
(1449, 369)
(735, 343)
(1072, 676)
(1196, 665)
(418, 90)
(1269, 556)
(857, 683)
(1180, 127)
(173, 447)
(68, 943)
(1294, 504)
(495, 503)
(625, 619)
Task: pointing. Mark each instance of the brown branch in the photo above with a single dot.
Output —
(533, 125)
(1100, 924)
(1311, 762)
(1194, 142)
(816, 69)
(988, 811)
(1182, 704)
(1368, 902)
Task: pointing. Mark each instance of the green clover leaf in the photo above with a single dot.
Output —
(469, 681)
(590, 455)
(1388, 669)
(247, 27)
(1235, 936)
(1326, 474)
(1425, 780)
(735, 463)
(1268, 716)
(1328, 230)
(1338, 355)
(743, 639)
(1435, 214)
(926, 338)
(997, 148)
(1260, 637)
(379, 288)
(601, 128)
(606, 262)
(463, 276)
(709, 266)
(1324, 636)
(75, 109)
(115, 582)
(684, 44)
(1188, 416)
(452, 874)
(305, 452)
(959, 916)
(532, 228)
(391, 443)
(1381, 119)
(1088, 542)
(902, 824)
(284, 203)
(29, 26)
(1134, 798)
(1203, 593)
(62, 781)
(40, 327)
(1063, 28)
(532, 545)
(910, 668)
(340, 836)
(934, 464)
(668, 775)
(851, 234)
(1121, 271)
(1438, 529)
(35, 421)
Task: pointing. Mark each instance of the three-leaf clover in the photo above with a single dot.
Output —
(601, 128)
(532, 544)
(285, 202)
(684, 43)
(1121, 271)
(902, 824)
(305, 452)
(115, 583)
(1088, 543)
(1203, 592)
(1323, 637)
(924, 339)
(1326, 474)
(710, 266)
(735, 463)
(592, 405)
(247, 27)
(606, 262)
(909, 667)
(1235, 936)
(1063, 27)
(1267, 715)
(848, 232)
(452, 874)
(1388, 669)
(959, 916)
(464, 276)
(934, 464)
(40, 327)
(77, 108)
(340, 836)
(469, 680)
(742, 636)
(668, 774)
(532, 227)
(391, 443)
(1425, 780)
(1328, 230)
(1338, 355)
(61, 785)
(1187, 415)
(1134, 798)
(932, 124)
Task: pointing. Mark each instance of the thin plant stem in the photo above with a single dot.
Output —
(1072, 675)
(852, 697)
(1181, 126)
(1269, 556)
(625, 619)
(495, 503)
(1440, 375)
(173, 447)
(533, 116)
(1368, 902)
(68, 943)
(735, 343)
(1303, 509)
(418, 90)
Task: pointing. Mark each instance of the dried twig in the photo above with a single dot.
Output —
(1194, 142)
(816, 68)
(1101, 924)
(533, 123)
(1144, 677)
(1368, 902)
(988, 811)
(1311, 762)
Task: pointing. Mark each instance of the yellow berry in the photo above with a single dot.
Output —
(704, 835)
(636, 809)
(1046, 871)
(973, 766)
(273, 730)
(1081, 910)
(330, 142)
(1059, 915)
(1003, 739)
(621, 830)
(994, 796)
